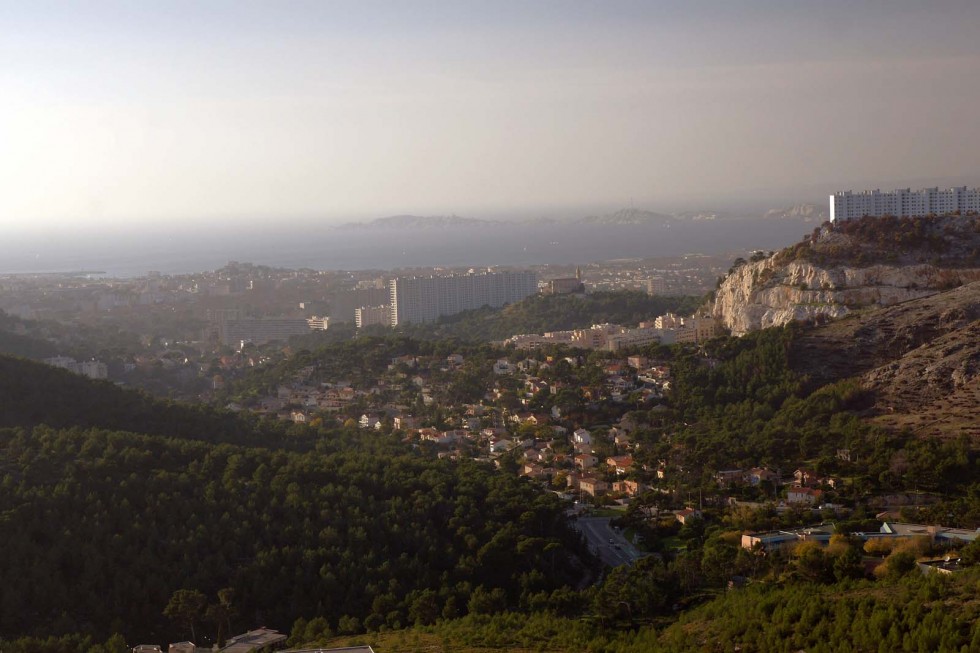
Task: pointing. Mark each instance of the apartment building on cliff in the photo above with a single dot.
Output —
(846, 205)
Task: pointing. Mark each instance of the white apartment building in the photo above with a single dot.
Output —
(318, 323)
(596, 336)
(426, 299)
(93, 369)
(368, 315)
(846, 205)
(668, 321)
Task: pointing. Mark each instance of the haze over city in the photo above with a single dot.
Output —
(155, 117)
(384, 326)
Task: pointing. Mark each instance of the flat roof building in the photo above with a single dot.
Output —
(260, 640)
(418, 300)
(903, 202)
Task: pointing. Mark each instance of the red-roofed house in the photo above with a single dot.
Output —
(622, 464)
(804, 495)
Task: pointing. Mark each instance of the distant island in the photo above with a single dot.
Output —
(417, 222)
(625, 217)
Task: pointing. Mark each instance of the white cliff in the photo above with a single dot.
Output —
(767, 293)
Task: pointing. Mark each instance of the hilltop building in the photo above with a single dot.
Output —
(566, 286)
(903, 202)
(64, 362)
(93, 369)
(426, 299)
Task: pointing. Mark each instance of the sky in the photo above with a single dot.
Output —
(171, 114)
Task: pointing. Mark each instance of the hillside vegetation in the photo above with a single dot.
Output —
(919, 360)
(33, 393)
(944, 241)
(904, 613)
(325, 531)
(361, 532)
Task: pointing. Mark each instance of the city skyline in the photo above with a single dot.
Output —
(121, 116)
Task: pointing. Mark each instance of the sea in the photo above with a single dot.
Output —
(187, 250)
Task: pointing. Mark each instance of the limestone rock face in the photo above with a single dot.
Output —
(764, 293)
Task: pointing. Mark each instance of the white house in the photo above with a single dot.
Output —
(582, 436)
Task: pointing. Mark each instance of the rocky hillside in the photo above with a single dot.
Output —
(872, 262)
(920, 360)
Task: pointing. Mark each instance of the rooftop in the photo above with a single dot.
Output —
(253, 640)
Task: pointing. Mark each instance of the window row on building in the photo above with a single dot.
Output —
(426, 299)
(903, 202)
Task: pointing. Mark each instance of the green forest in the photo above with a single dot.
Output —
(355, 530)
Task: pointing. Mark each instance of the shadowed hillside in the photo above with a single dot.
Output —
(34, 393)
(921, 358)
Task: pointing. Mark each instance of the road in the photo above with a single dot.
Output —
(606, 542)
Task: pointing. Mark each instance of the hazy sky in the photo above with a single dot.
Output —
(168, 112)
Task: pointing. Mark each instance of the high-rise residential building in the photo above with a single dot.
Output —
(369, 315)
(903, 202)
(426, 299)
(656, 286)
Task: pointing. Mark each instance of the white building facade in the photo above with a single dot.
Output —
(903, 202)
(426, 299)
(369, 315)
